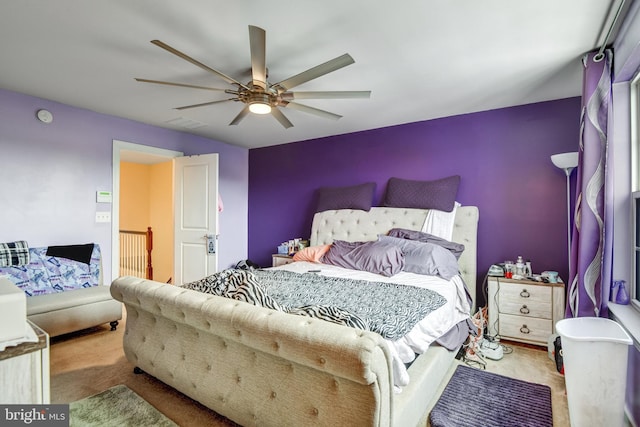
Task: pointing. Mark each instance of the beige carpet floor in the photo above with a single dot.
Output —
(88, 362)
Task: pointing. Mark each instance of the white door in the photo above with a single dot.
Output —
(195, 217)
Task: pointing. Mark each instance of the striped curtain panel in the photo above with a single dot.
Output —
(591, 252)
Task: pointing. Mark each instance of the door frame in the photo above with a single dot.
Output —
(143, 152)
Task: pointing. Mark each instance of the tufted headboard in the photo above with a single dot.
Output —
(359, 226)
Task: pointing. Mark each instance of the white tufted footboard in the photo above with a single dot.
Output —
(254, 365)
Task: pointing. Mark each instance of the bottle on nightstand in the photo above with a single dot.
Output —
(520, 266)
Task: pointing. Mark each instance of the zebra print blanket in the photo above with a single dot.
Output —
(389, 309)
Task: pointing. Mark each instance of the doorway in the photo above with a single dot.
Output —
(140, 155)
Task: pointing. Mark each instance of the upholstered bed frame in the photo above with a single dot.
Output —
(263, 367)
(362, 226)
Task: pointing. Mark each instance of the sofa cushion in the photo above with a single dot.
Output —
(62, 300)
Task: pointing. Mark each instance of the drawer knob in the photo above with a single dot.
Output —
(524, 310)
(525, 294)
(524, 329)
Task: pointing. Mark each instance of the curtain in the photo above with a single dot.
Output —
(591, 244)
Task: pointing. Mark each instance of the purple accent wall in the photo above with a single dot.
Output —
(50, 174)
(503, 157)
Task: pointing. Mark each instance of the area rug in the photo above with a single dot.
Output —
(118, 406)
(479, 398)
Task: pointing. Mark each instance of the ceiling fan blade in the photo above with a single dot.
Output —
(281, 118)
(197, 63)
(258, 44)
(315, 72)
(241, 115)
(204, 104)
(312, 110)
(179, 84)
(326, 95)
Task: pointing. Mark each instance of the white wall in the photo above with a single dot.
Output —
(49, 175)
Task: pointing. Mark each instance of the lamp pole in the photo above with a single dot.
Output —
(567, 172)
(567, 162)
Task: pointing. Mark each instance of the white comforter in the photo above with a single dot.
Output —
(426, 331)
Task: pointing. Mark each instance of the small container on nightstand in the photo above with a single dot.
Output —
(280, 259)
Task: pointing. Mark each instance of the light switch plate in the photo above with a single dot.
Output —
(103, 216)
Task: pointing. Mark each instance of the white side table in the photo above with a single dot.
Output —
(24, 371)
(280, 259)
(524, 310)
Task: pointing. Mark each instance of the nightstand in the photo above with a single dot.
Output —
(24, 371)
(280, 259)
(524, 310)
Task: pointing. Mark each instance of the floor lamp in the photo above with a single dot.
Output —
(567, 162)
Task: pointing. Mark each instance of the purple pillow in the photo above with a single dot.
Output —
(439, 194)
(455, 248)
(375, 257)
(425, 258)
(353, 197)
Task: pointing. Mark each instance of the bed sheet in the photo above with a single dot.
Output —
(432, 327)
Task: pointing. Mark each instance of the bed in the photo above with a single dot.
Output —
(258, 366)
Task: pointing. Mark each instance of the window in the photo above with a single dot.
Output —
(635, 132)
(635, 274)
(635, 188)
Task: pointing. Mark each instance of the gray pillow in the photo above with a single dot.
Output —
(438, 194)
(352, 197)
(375, 257)
(455, 248)
(424, 258)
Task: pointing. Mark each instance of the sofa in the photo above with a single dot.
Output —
(64, 288)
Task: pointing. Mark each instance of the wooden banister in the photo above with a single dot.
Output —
(146, 269)
(149, 249)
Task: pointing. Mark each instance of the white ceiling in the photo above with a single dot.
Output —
(422, 59)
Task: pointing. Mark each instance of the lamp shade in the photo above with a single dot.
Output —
(565, 160)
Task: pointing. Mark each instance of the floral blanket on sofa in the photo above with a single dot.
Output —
(46, 274)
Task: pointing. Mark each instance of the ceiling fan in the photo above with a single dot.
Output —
(262, 97)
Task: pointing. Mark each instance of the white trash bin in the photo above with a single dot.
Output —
(595, 352)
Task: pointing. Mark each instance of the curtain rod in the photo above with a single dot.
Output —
(600, 55)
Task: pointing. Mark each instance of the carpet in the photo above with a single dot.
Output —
(118, 406)
(475, 397)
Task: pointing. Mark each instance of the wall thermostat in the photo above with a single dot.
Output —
(45, 116)
(103, 196)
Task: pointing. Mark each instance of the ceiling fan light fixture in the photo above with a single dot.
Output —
(259, 107)
(259, 103)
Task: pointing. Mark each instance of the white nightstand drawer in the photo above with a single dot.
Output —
(522, 292)
(528, 308)
(525, 328)
(525, 299)
(278, 259)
